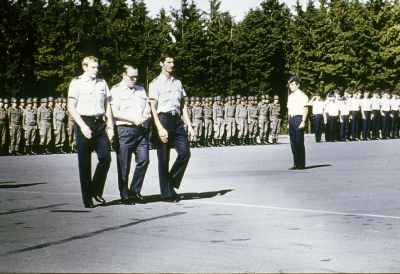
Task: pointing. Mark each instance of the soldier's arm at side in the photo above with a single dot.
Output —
(303, 119)
(186, 118)
(72, 102)
(162, 132)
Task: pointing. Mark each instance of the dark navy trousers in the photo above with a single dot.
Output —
(394, 123)
(178, 139)
(375, 124)
(332, 121)
(132, 140)
(297, 141)
(99, 142)
(385, 122)
(355, 122)
(318, 126)
(366, 124)
(344, 127)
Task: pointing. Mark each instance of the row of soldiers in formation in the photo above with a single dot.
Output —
(23, 121)
(356, 116)
(29, 128)
(234, 120)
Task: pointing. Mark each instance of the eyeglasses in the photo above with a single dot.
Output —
(133, 77)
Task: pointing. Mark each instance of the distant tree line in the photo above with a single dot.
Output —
(335, 44)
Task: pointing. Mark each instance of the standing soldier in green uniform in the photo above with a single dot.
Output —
(71, 133)
(3, 125)
(253, 120)
(218, 117)
(241, 121)
(30, 125)
(15, 115)
(208, 122)
(44, 118)
(230, 108)
(197, 122)
(263, 119)
(275, 118)
(187, 104)
(59, 125)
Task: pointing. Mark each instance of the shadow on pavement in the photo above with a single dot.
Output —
(18, 185)
(180, 197)
(316, 166)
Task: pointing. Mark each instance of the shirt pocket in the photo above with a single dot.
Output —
(126, 103)
(165, 95)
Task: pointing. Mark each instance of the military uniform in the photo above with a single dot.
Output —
(365, 104)
(44, 118)
(275, 116)
(197, 122)
(30, 126)
(168, 92)
(3, 128)
(241, 121)
(263, 121)
(253, 122)
(219, 123)
(230, 122)
(132, 138)
(91, 96)
(208, 123)
(394, 114)
(59, 123)
(15, 115)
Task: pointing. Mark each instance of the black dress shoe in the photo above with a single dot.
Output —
(137, 196)
(99, 199)
(301, 168)
(293, 168)
(90, 205)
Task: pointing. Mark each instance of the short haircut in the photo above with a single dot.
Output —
(126, 67)
(88, 59)
(166, 55)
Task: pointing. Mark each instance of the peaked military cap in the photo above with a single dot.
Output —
(293, 79)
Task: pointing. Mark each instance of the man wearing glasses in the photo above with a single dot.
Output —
(131, 110)
(166, 95)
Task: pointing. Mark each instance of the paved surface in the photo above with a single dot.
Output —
(242, 210)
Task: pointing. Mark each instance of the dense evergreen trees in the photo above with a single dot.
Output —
(328, 44)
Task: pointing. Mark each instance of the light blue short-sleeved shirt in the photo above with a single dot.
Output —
(89, 94)
(168, 93)
(130, 101)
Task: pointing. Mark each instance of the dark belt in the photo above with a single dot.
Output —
(295, 116)
(127, 126)
(231, 116)
(317, 114)
(93, 118)
(169, 113)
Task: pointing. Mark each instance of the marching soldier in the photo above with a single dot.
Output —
(208, 122)
(3, 128)
(218, 117)
(30, 125)
(44, 117)
(241, 121)
(59, 124)
(263, 120)
(275, 118)
(15, 115)
(230, 120)
(253, 120)
(197, 122)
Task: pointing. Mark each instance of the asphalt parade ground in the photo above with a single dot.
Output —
(241, 210)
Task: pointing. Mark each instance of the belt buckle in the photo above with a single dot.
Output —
(173, 112)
